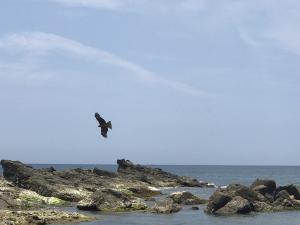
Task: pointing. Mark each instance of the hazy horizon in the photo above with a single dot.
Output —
(184, 82)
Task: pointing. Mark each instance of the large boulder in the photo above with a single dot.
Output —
(216, 201)
(237, 205)
(243, 191)
(264, 186)
(291, 189)
(186, 198)
(16, 171)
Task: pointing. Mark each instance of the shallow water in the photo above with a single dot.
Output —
(190, 217)
(220, 175)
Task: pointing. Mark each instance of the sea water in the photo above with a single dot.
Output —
(221, 176)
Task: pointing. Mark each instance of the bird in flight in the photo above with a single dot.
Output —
(103, 124)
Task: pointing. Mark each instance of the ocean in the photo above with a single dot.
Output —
(221, 176)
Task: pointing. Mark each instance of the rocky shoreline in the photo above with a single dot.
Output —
(28, 195)
(261, 196)
(37, 196)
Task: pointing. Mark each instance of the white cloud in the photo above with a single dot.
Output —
(268, 23)
(160, 6)
(259, 22)
(45, 43)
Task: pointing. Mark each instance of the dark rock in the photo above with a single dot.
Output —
(261, 197)
(186, 198)
(264, 186)
(237, 205)
(222, 197)
(195, 208)
(243, 191)
(291, 189)
(15, 171)
(217, 201)
(156, 176)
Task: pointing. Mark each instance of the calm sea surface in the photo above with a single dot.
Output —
(220, 175)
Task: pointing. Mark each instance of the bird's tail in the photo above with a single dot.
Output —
(108, 124)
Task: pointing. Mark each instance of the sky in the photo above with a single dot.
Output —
(201, 82)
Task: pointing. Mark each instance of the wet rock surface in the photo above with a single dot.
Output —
(261, 196)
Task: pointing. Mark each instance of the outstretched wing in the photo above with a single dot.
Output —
(104, 131)
(100, 119)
